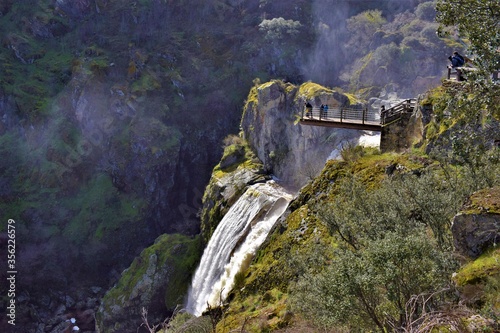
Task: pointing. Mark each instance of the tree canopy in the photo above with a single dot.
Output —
(478, 22)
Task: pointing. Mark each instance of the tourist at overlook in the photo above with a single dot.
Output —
(308, 109)
(457, 61)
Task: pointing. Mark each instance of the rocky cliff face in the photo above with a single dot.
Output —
(125, 139)
(270, 143)
(292, 152)
(156, 281)
(111, 119)
(477, 228)
(239, 168)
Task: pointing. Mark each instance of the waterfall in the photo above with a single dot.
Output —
(234, 243)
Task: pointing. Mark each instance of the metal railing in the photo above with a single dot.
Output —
(458, 73)
(394, 113)
(340, 115)
(358, 115)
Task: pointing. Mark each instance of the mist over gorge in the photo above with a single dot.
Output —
(113, 115)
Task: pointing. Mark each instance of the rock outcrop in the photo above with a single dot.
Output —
(238, 169)
(478, 227)
(292, 152)
(473, 233)
(402, 134)
(157, 280)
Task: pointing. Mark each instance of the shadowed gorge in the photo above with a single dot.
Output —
(130, 129)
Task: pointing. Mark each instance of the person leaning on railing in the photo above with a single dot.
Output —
(457, 61)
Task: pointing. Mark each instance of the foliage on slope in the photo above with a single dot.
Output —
(384, 49)
(351, 249)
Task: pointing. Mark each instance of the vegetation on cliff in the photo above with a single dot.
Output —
(157, 281)
(361, 245)
(367, 245)
(112, 113)
(112, 117)
(238, 168)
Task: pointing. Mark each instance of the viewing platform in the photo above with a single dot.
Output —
(356, 118)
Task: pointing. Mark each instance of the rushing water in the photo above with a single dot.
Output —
(369, 139)
(234, 243)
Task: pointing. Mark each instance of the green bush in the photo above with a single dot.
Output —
(368, 289)
(351, 152)
(394, 243)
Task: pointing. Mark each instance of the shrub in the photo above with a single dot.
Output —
(368, 289)
(385, 254)
(278, 28)
(394, 244)
(351, 152)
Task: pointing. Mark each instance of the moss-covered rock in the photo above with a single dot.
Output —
(477, 227)
(156, 280)
(293, 152)
(239, 168)
(485, 201)
(478, 282)
(488, 264)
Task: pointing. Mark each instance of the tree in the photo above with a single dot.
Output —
(478, 23)
(392, 243)
(361, 29)
(278, 28)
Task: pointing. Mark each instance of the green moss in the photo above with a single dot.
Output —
(271, 268)
(146, 82)
(486, 200)
(252, 98)
(174, 253)
(434, 96)
(258, 313)
(214, 207)
(100, 210)
(244, 159)
(311, 90)
(431, 130)
(233, 156)
(352, 99)
(488, 264)
(369, 167)
(266, 85)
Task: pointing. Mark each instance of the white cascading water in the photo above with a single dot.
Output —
(234, 243)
